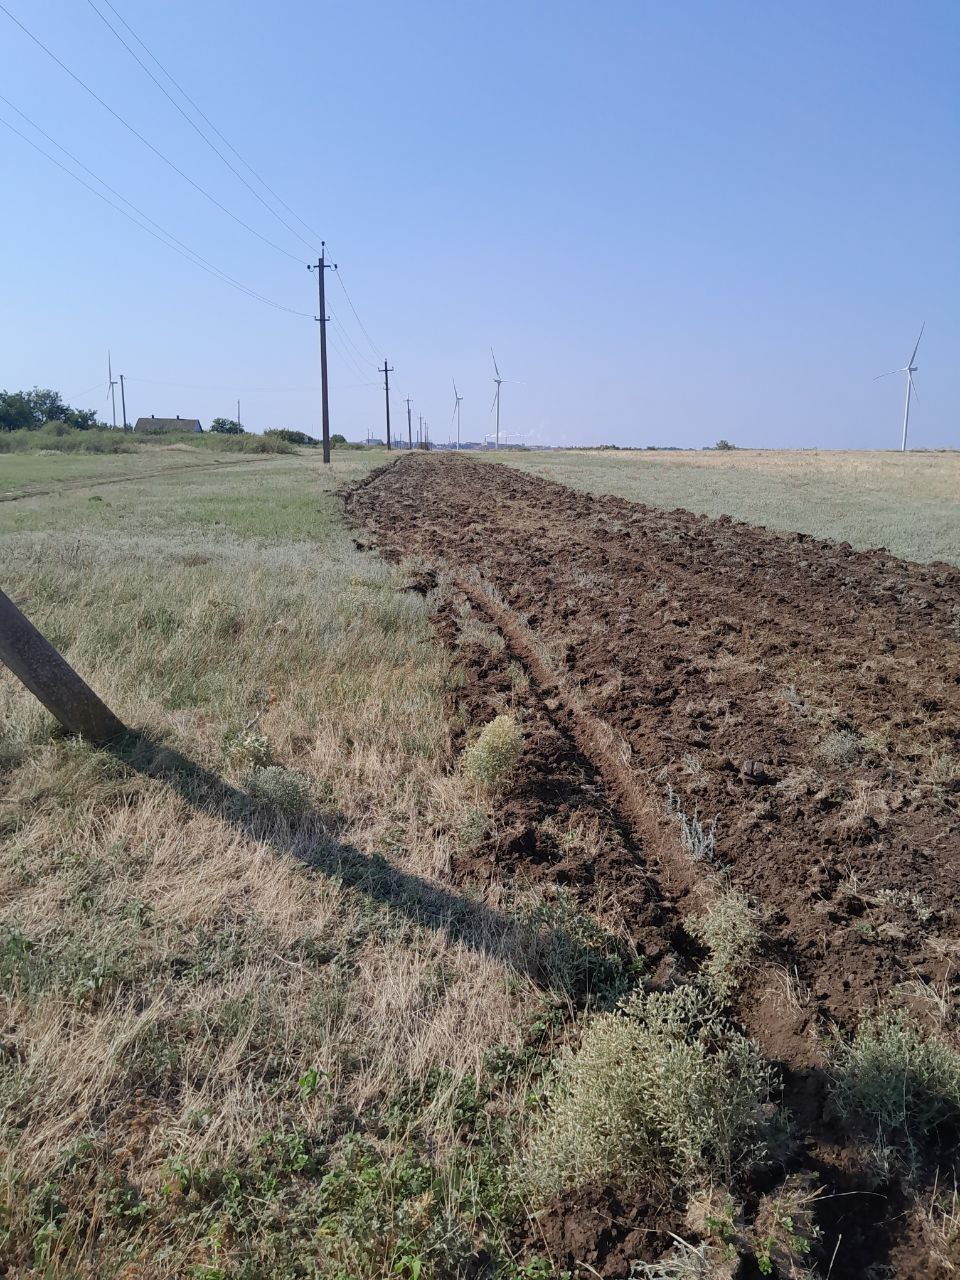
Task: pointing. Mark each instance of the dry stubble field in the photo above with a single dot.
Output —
(311, 977)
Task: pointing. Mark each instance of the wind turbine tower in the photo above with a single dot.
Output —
(113, 394)
(909, 369)
(496, 395)
(457, 397)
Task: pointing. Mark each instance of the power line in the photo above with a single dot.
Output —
(364, 359)
(226, 141)
(165, 237)
(192, 123)
(156, 151)
(373, 345)
(226, 386)
(343, 350)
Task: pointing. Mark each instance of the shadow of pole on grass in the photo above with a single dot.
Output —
(552, 955)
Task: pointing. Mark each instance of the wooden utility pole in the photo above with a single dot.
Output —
(386, 371)
(51, 679)
(321, 267)
(123, 403)
(409, 426)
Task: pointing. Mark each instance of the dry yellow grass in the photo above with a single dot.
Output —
(189, 980)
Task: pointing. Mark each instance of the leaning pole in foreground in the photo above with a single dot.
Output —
(51, 679)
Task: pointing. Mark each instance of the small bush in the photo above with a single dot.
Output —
(785, 1228)
(729, 932)
(665, 1086)
(840, 746)
(282, 790)
(492, 759)
(897, 1081)
(248, 750)
(699, 839)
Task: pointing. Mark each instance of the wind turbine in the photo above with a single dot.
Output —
(456, 409)
(909, 369)
(113, 394)
(496, 395)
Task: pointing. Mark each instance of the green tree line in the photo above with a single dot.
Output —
(30, 410)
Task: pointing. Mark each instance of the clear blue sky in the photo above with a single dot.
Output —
(674, 222)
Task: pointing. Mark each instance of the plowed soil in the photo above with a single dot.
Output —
(802, 696)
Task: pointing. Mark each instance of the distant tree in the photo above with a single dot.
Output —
(292, 437)
(227, 427)
(15, 412)
(336, 439)
(28, 410)
(724, 444)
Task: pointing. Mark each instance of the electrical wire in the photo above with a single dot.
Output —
(192, 123)
(165, 237)
(344, 351)
(315, 235)
(231, 386)
(156, 151)
(361, 356)
(373, 346)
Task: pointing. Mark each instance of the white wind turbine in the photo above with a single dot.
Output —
(456, 409)
(496, 395)
(111, 383)
(909, 369)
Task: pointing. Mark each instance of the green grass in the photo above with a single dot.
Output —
(909, 503)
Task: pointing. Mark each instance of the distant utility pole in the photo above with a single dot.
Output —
(420, 430)
(409, 427)
(123, 403)
(113, 394)
(386, 371)
(238, 413)
(321, 267)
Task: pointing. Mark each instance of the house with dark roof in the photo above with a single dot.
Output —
(168, 424)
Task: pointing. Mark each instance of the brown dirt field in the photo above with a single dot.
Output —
(803, 695)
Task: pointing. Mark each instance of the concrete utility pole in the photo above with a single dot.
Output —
(51, 679)
(321, 267)
(123, 403)
(386, 371)
(409, 427)
(238, 414)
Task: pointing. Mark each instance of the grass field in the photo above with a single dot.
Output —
(909, 503)
(250, 1026)
(242, 1020)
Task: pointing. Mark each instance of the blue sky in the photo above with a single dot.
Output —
(672, 222)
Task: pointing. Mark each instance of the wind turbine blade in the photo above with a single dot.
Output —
(454, 381)
(913, 385)
(914, 356)
(494, 358)
(888, 375)
(496, 397)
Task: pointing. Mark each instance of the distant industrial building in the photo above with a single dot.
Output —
(168, 424)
